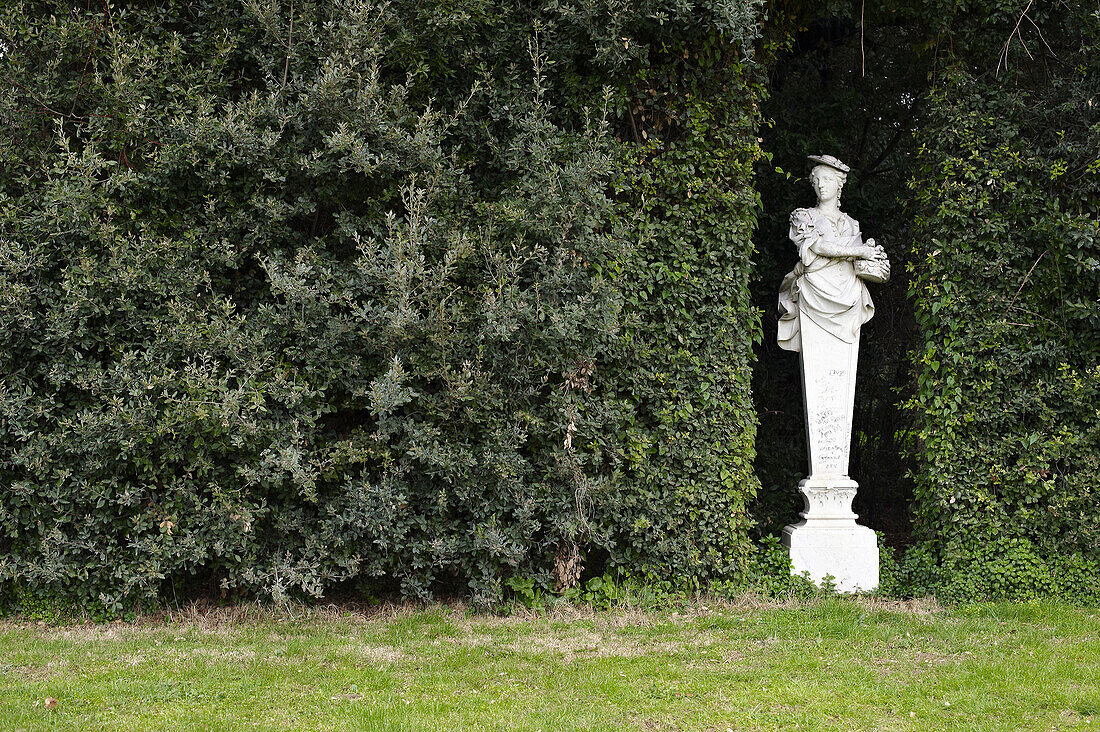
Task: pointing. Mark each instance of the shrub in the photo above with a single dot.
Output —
(1005, 282)
(299, 295)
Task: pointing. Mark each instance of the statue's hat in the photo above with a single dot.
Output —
(831, 162)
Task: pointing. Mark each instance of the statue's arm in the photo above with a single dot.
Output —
(830, 248)
(807, 236)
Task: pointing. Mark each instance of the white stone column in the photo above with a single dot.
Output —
(828, 367)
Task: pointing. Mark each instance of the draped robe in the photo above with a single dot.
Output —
(824, 289)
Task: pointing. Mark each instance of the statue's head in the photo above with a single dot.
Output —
(828, 177)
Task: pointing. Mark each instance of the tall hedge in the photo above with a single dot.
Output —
(690, 207)
(414, 295)
(1006, 284)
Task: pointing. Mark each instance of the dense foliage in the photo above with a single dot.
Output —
(690, 207)
(1006, 285)
(399, 294)
(417, 296)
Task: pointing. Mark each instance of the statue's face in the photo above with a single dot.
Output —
(827, 183)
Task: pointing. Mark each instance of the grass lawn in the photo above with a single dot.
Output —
(824, 664)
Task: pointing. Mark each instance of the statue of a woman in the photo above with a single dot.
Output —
(823, 286)
(823, 303)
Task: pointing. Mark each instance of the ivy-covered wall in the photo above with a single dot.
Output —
(1005, 279)
(688, 204)
(972, 129)
(415, 296)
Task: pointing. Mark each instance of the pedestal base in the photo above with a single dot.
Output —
(828, 541)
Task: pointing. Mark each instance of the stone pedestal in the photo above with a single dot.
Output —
(828, 541)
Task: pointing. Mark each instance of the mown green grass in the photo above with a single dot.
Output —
(825, 664)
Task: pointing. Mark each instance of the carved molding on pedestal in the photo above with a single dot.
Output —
(828, 542)
(830, 500)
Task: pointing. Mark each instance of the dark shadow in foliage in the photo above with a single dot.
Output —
(854, 93)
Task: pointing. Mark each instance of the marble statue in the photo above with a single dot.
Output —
(823, 303)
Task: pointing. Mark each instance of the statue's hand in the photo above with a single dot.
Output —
(874, 251)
